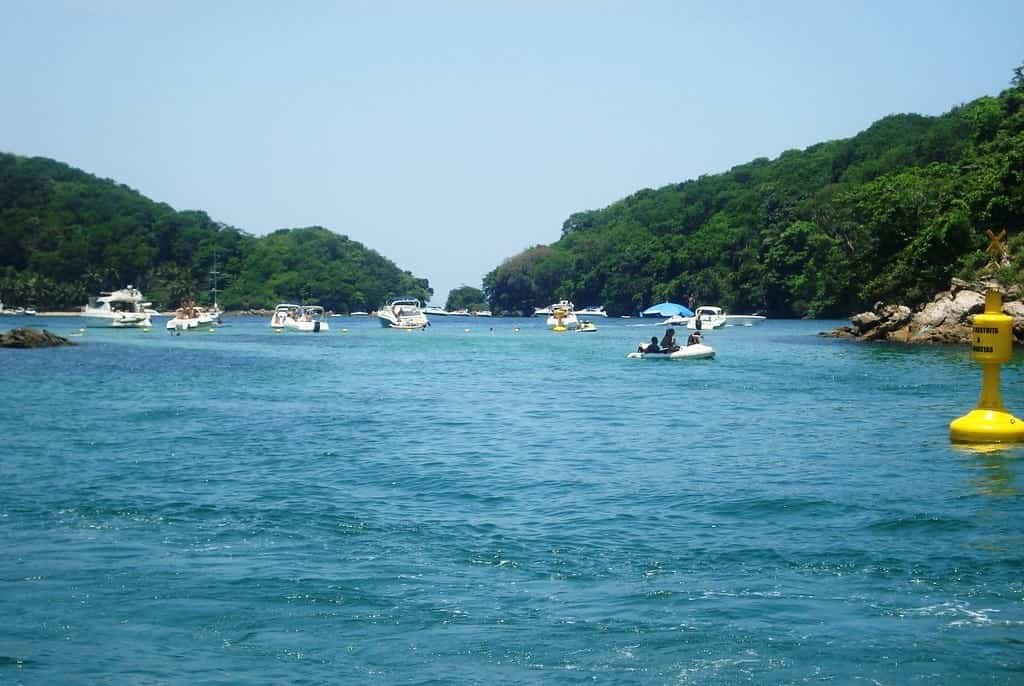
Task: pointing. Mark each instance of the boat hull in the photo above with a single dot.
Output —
(303, 327)
(189, 323)
(117, 320)
(690, 352)
(408, 325)
(705, 323)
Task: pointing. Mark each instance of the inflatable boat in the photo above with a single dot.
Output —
(698, 351)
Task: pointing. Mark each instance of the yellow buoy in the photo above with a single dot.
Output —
(991, 346)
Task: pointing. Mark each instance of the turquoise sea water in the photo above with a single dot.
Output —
(496, 506)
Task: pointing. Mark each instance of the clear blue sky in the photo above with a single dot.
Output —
(449, 136)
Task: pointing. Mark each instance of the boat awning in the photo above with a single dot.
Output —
(666, 310)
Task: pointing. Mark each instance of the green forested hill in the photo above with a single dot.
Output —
(890, 214)
(66, 235)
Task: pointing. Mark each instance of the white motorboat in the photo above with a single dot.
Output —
(482, 313)
(697, 351)
(592, 311)
(586, 326)
(706, 318)
(120, 309)
(403, 313)
(432, 310)
(676, 320)
(190, 316)
(563, 316)
(306, 318)
(542, 311)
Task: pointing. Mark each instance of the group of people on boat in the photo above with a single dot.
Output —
(669, 344)
(187, 310)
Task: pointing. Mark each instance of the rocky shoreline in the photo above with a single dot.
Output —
(946, 319)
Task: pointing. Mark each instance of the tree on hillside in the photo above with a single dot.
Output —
(466, 298)
(889, 214)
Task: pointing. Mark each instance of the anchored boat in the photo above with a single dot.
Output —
(403, 313)
(120, 309)
(306, 318)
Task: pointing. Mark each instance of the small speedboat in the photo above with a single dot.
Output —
(586, 326)
(677, 320)
(188, 317)
(305, 318)
(403, 313)
(698, 351)
(592, 311)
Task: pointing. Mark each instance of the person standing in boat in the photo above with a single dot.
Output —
(668, 342)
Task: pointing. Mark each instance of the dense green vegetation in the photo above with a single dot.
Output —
(466, 298)
(890, 214)
(66, 235)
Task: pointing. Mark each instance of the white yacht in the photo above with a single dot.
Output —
(403, 313)
(542, 311)
(592, 311)
(432, 310)
(563, 315)
(307, 318)
(121, 309)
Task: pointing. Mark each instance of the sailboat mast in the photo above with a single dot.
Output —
(214, 273)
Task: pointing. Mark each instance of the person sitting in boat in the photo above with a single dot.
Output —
(651, 347)
(694, 338)
(668, 341)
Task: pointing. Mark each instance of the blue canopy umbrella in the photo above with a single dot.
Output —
(666, 310)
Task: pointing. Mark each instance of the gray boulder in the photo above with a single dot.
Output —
(31, 338)
(946, 319)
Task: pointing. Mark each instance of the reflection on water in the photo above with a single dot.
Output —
(994, 464)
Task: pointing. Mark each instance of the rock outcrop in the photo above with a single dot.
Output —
(946, 319)
(31, 338)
